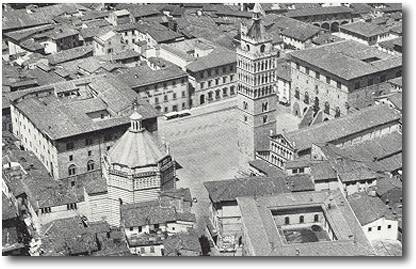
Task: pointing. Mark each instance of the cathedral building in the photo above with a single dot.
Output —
(137, 168)
(257, 101)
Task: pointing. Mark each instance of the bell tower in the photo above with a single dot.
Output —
(256, 64)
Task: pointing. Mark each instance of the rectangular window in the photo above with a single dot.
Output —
(369, 229)
(202, 85)
(156, 100)
(389, 226)
(357, 85)
(89, 153)
(183, 94)
(231, 77)
(379, 228)
(307, 70)
(70, 145)
(152, 249)
(174, 96)
(140, 229)
(45, 210)
(370, 82)
(224, 80)
(297, 66)
(301, 170)
(71, 157)
(317, 75)
(165, 98)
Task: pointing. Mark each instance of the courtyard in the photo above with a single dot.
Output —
(314, 233)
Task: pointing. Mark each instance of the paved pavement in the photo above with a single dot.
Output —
(205, 145)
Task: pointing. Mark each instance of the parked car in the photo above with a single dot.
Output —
(171, 115)
(184, 113)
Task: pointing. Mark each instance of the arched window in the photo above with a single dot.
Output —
(225, 92)
(232, 91)
(316, 105)
(301, 219)
(264, 106)
(287, 220)
(326, 110)
(72, 170)
(297, 93)
(337, 112)
(306, 99)
(262, 48)
(90, 165)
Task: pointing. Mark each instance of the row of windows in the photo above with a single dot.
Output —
(88, 142)
(258, 79)
(318, 76)
(316, 104)
(174, 108)
(282, 151)
(266, 90)
(277, 161)
(72, 169)
(298, 170)
(216, 71)
(217, 82)
(378, 228)
(46, 210)
(256, 67)
(166, 98)
(302, 219)
(165, 85)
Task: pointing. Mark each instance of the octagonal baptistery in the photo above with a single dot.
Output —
(137, 168)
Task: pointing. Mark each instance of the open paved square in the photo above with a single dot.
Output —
(205, 145)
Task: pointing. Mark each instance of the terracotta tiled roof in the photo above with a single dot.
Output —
(150, 212)
(345, 59)
(342, 127)
(368, 208)
(218, 57)
(229, 190)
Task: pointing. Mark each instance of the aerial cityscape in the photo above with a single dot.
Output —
(202, 129)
